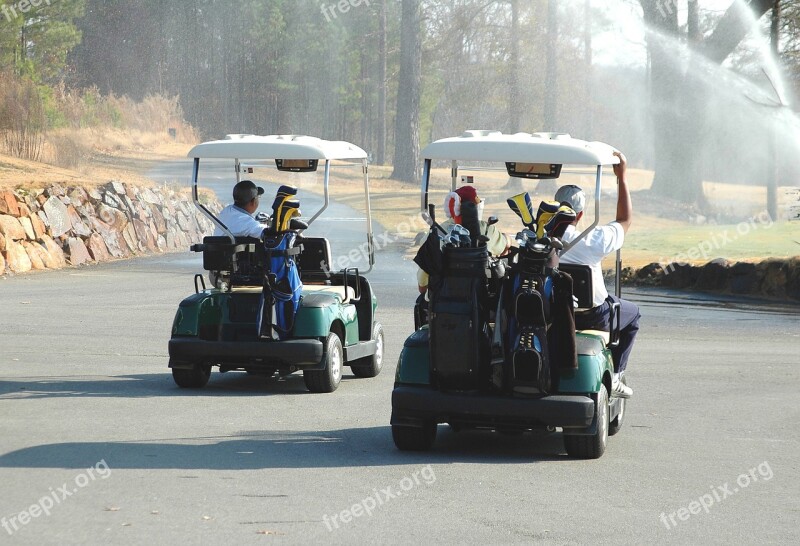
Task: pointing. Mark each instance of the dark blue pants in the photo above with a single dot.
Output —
(599, 318)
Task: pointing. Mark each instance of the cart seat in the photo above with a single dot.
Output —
(605, 335)
(582, 289)
(344, 295)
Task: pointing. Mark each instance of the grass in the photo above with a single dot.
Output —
(656, 234)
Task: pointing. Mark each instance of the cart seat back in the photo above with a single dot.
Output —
(219, 254)
(315, 259)
(582, 287)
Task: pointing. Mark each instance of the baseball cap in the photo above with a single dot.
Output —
(245, 191)
(468, 194)
(573, 196)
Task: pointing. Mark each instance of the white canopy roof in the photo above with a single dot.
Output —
(276, 147)
(556, 148)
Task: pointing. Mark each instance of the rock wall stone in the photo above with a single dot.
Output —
(53, 227)
(772, 278)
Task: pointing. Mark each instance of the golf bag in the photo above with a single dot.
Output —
(535, 298)
(459, 330)
(280, 295)
(528, 297)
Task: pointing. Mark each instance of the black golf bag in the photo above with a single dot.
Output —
(458, 318)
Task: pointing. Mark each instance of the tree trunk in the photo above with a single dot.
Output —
(406, 143)
(514, 95)
(588, 118)
(678, 101)
(381, 157)
(773, 172)
(672, 162)
(551, 81)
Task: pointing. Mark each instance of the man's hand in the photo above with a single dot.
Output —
(262, 218)
(621, 169)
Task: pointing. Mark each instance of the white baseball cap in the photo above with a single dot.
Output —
(573, 196)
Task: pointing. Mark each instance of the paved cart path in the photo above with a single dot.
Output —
(84, 384)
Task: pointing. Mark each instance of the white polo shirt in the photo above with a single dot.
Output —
(599, 243)
(240, 222)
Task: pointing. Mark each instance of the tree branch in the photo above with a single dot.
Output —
(732, 28)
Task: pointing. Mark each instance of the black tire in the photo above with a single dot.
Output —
(616, 424)
(327, 379)
(194, 378)
(591, 447)
(414, 438)
(371, 366)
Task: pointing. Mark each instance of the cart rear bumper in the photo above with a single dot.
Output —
(301, 353)
(413, 405)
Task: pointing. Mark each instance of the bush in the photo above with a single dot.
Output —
(22, 118)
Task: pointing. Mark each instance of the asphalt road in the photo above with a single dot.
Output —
(83, 379)
(84, 385)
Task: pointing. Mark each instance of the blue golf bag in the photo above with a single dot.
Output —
(280, 295)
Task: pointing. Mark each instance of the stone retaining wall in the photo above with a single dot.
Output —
(773, 278)
(54, 227)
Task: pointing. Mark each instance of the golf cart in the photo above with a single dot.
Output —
(499, 350)
(276, 304)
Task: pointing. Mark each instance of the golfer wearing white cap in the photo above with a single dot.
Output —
(238, 217)
(599, 243)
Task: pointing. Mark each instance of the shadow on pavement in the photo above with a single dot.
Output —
(149, 385)
(354, 447)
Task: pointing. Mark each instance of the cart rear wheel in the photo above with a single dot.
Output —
(327, 379)
(192, 378)
(616, 424)
(414, 438)
(591, 447)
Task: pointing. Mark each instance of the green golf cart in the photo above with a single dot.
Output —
(242, 322)
(498, 351)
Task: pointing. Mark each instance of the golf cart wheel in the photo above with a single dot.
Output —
(414, 438)
(193, 378)
(591, 447)
(616, 424)
(371, 366)
(327, 380)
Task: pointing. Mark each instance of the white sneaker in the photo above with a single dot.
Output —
(620, 389)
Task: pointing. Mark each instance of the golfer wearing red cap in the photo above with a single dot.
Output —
(498, 243)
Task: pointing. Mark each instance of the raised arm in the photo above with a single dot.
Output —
(624, 204)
